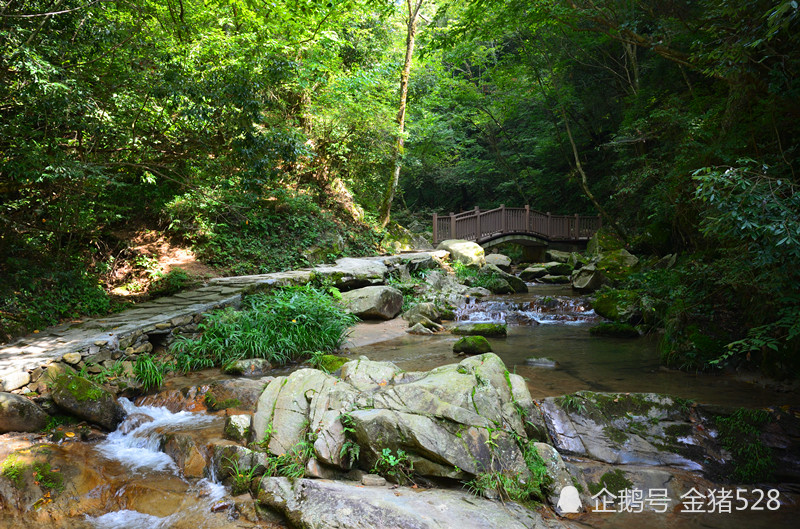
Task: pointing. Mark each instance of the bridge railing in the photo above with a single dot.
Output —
(477, 225)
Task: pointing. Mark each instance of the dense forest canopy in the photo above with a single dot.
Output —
(253, 129)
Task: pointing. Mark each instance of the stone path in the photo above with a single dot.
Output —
(138, 329)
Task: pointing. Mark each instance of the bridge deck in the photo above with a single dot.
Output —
(484, 226)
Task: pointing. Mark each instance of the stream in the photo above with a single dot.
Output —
(127, 481)
(585, 362)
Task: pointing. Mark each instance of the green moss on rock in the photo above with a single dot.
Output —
(615, 330)
(613, 482)
(80, 388)
(481, 329)
(332, 363)
(472, 345)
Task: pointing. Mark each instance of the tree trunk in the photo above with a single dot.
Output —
(391, 185)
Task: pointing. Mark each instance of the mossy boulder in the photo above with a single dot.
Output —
(503, 262)
(615, 330)
(557, 256)
(332, 363)
(533, 272)
(555, 280)
(588, 279)
(516, 284)
(604, 240)
(467, 252)
(472, 345)
(248, 367)
(618, 305)
(85, 399)
(555, 268)
(617, 265)
(18, 414)
(497, 285)
(481, 329)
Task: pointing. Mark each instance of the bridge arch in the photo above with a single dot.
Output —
(529, 226)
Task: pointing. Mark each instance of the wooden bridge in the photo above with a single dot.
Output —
(484, 226)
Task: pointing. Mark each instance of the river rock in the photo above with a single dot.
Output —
(617, 264)
(503, 262)
(454, 421)
(481, 329)
(374, 303)
(18, 414)
(248, 367)
(541, 362)
(555, 280)
(472, 345)
(630, 428)
(427, 310)
(15, 380)
(321, 504)
(555, 268)
(241, 393)
(556, 471)
(604, 240)
(517, 284)
(557, 256)
(533, 272)
(237, 427)
(87, 400)
(588, 279)
(467, 252)
(419, 329)
(350, 272)
(618, 305)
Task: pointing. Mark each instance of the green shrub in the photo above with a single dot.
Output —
(741, 435)
(34, 298)
(150, 372)
(283, 326)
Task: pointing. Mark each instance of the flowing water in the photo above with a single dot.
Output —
(127, 481)
(552, 322)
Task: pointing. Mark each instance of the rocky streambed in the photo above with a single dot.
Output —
(456, 443)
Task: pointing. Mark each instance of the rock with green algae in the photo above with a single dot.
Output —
(481, 329)
(617, 264)
(472, 345)
(618, 305)
(604, 240)
(615, 330)
(332, 363)
(85, 399)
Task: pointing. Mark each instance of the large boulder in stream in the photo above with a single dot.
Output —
(374, 303)
(517, 285)
(649, 429)
(466, 252)
(503, 262)
(18, 414)
(320, 504)
(350, 272)
(85, 399)
(454, 421)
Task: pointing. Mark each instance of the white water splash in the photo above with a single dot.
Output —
(137, 446)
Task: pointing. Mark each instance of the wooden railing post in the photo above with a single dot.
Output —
(502, 218)
(549, 230)
(527, 218)
(477, 223)
(452, 225)
(435, 228)
(577, 226)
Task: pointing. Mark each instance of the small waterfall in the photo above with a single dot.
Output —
(136, 442)
(538, 310)
(136, 445)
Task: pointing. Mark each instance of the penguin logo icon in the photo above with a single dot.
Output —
(569, 501)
